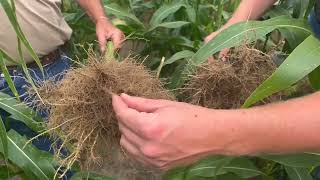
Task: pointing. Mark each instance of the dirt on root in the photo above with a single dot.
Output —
(82, 119)
(226, 84)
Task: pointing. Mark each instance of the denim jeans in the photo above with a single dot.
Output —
(314, 24)
(54, 71)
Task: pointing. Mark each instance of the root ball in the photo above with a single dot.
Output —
(81, 113)
(227, 84)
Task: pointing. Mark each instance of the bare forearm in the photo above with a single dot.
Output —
(93, 8)
(249, 10)
(287, 127)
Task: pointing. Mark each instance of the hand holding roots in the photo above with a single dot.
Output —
(81, 116)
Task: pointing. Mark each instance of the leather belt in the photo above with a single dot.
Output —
(45, 60)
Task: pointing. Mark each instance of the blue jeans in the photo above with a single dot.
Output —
(314, 24)
(54, 70)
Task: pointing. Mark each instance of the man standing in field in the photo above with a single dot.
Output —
(167, 134)
(45, 28)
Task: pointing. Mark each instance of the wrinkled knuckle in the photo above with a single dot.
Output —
(159, 165)
(163, 167)
(150, 151)
(118, 115)
(121, 114)
(152, 130)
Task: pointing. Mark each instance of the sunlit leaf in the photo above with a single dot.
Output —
(21, 112)
(246, 32)
(6, 172)
(3, 138)
(121, 13)
(12, 17)
(239, 166)
(175, 174)
(172, 25)
(296, 160)
(179, 55)
(303, 60)
(163, 12)
(7, 76)
(298, 173)
(314, 78)
(35, 163)
(236, 35)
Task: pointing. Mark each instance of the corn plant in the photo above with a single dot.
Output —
(175, 30)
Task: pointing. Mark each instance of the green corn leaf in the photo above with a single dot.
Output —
(303, 60)
(226, 161)
(171, 25)
(21, 112)
(12, 17)
(207, 167)
(3, 138)
(296, 160)
(246, 32)
(238, 34)
(277, 11)
(90, 176)
(6, 172)
(229, 176)
(7, 76)
(179, 55)
(300, 8)
(121, 13)
(298, 173)
(163, 12)
(26, 71)
(242, 167)
(314, 78)
(294, 36)
(8, 58)
(36, 164)
(192, 15)
(175, 174)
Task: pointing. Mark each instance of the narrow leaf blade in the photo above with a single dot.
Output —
(179, 55)
(163, 12)
(298, 173)
(303, 60)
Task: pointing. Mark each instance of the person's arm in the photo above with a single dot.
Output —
(287, 127)
(104, 28)
(166, 134)
(247, 10)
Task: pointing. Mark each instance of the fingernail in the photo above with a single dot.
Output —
(124, 95)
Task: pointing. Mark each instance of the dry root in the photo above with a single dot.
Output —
(81, 115)
(227, 84)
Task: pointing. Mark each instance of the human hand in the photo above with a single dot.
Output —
(166, 134)
(105, 31)
(223, 53)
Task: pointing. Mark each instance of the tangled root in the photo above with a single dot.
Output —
(81, 116)
(227, 84)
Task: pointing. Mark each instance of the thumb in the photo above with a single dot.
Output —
(102, 40)
(223, 54)
(143, 104)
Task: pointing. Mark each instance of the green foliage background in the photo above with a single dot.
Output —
(175, 29)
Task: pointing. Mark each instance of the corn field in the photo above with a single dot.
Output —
(174, 30)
